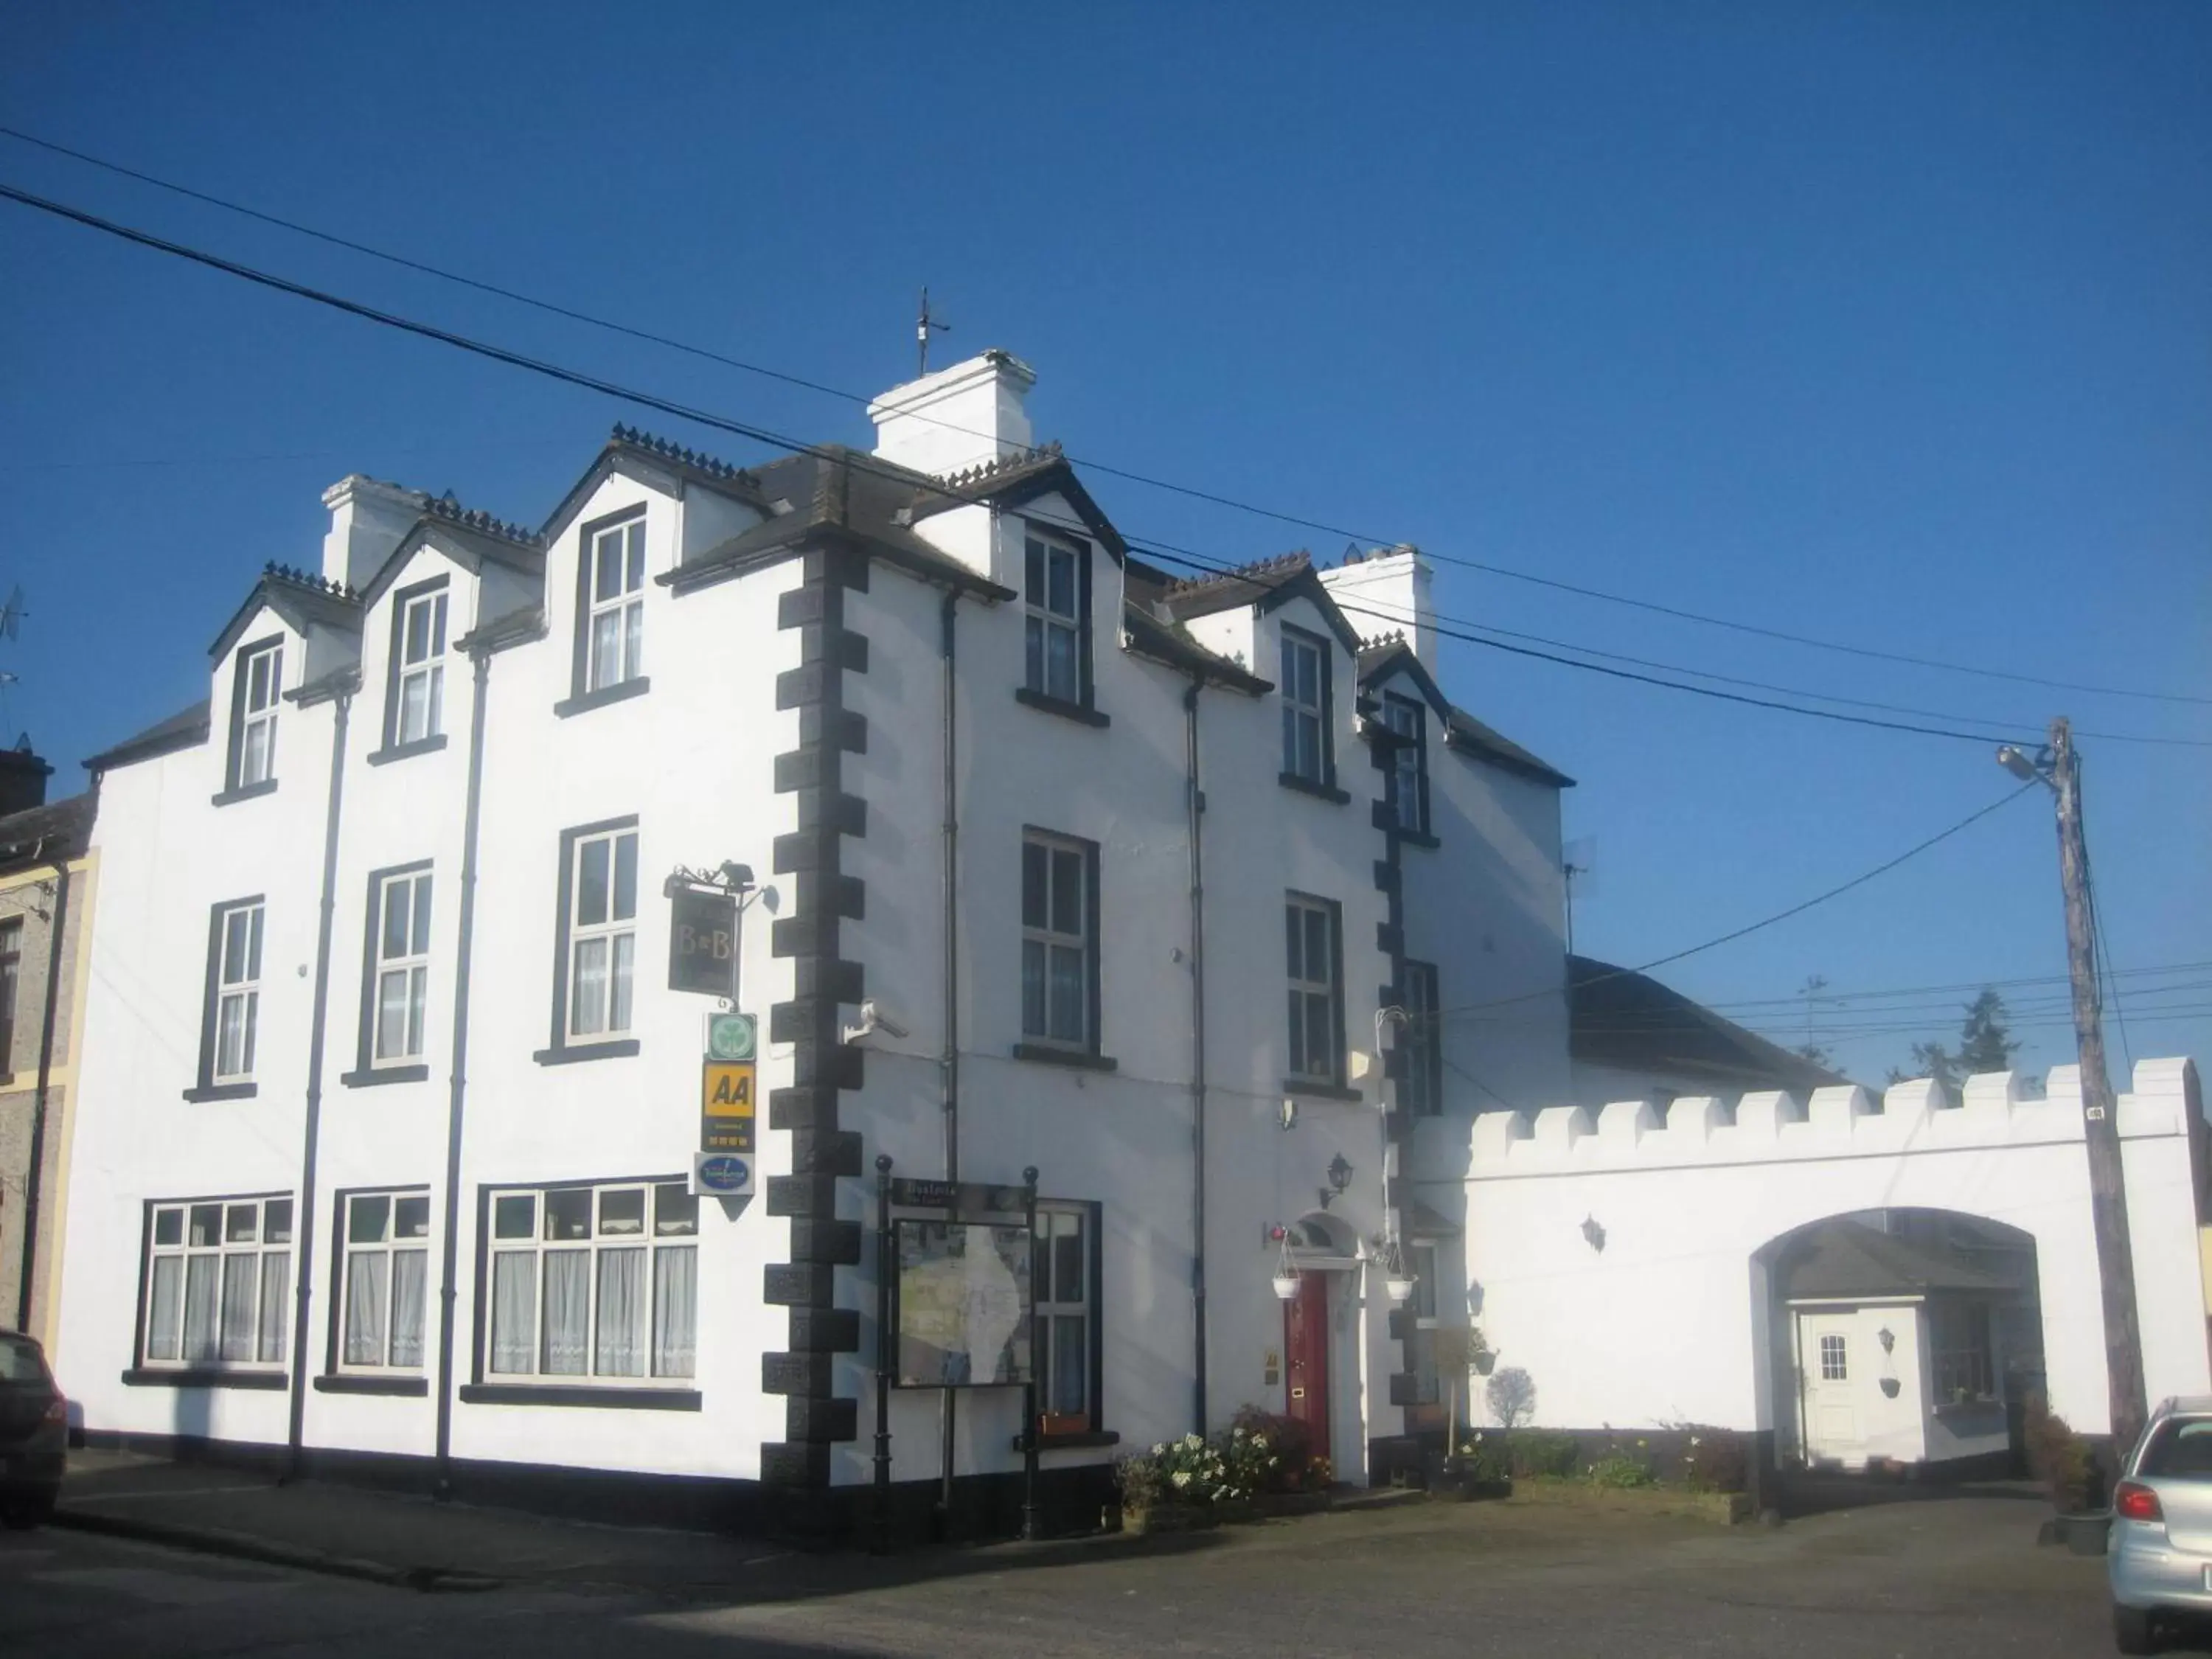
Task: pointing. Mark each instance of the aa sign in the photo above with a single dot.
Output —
(726, 1106)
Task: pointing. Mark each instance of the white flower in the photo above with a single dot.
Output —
(1193, 1440)
(1694, 1440)
(1259, 1442)
(1160, 1450)
(1182, 1477)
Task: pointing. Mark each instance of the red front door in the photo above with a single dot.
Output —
(1305, 1344)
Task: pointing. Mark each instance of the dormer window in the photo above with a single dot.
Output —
(254, 719)
(615, 616)
(421, 641)
(1409, 763)
(1053, 593)
(1306, 746)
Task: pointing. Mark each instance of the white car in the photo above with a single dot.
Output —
(2158, 1554)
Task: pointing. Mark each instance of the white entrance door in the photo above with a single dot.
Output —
(1829, 1366)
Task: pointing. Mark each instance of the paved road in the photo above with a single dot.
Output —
(1954, 1579)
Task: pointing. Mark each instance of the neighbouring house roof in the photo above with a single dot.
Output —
(1380, 658)
(1847, 1258)
(60, 828)
(1618, 1017)
(186, 729)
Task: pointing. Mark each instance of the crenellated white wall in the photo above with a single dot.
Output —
(1669, 1321)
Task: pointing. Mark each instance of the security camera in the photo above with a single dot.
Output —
(873, 1019)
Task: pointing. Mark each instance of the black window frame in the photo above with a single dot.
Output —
(561, 1049)
(241, 677)
(206, 1088)
(581, 697)
(368, 1073)
(1417, 743)
(1041, 1045)
(1049, 538)
(393, 749)
(1333, 1081)
(1421, 1084)
(11, 971)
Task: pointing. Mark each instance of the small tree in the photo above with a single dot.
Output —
(1985, 1044)
(1511, 1396)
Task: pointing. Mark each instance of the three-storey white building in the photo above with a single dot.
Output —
(1160, 888)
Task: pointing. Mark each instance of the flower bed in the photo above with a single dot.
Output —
(1261, 1465)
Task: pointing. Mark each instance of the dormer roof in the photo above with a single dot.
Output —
(1265, 584)
(468, 536)
(301, 598)
(627, 448)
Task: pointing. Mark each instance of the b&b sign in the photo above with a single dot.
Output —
(703, 942)
(726, 1106)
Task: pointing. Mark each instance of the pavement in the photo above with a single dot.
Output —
(1949, 1577)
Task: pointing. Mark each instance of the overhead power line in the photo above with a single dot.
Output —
(669, 343)
(1973, 986)
(779, 441)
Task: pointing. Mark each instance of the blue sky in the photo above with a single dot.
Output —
(1885, 324)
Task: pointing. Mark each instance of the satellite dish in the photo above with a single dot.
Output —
(12, 613)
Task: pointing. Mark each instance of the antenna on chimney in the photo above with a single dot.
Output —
(922, 325)
(12, 613)
(1579, 862)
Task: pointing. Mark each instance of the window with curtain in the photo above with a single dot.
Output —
(1961, 1336)
(238, 990)
(602, 924)
(403, 965)
(1052, 593)
(383, 1284)
(420, 640)
(260, 682)
(1059, 948)
(1310, 934)
(614, 622)
(218, 1281)
(1304, 692)
(1409, 762)
(1064, 1332)
(594, 1283)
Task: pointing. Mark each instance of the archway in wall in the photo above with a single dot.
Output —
(1901, 1340)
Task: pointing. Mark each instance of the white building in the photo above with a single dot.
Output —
(387, 1115)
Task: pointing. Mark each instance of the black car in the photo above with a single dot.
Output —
(34, 1432)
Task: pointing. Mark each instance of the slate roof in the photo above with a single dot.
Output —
(1378, 659)
(1265, 583)
(301, 598)
(184, 729)
(1847, 1258)
(1617, 1016)
(60, 828)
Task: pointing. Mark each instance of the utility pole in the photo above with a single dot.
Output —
(2061, 768)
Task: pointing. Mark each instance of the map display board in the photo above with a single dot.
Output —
(963, 1304)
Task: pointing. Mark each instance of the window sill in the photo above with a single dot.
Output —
(400, 751)
(620, 691)
(561, 1393)
(348, 1382)
(1327, 791)
(1081, 714)
(1080, 1059)
(370, 1076)
(1954, 1408)
(1313, 1090)
(1418, 838)
(572, 1054)
(1075, 1442)
(232, 796)
(222, 1092)
(153, 1376)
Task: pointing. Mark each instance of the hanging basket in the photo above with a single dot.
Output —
(1286, 1287)
(1484, 1362)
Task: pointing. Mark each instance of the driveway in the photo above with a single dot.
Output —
(1949, 1577)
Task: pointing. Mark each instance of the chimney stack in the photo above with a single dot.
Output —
(22, 778)
(1390, 589)
(368, 518)
(958, 417)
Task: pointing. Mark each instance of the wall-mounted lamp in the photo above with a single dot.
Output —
(1887, 1338)
(1340, 1177)
(1592, 1234)
(1290, 1113)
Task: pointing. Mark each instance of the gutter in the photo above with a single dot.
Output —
(949, 1065)
(1195, 810)
(55, 935)
(303, 1231)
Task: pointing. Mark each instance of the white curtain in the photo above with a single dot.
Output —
(161, 1324)
(515, 1312)
(675, 1309)
(568, 1312)
(621, 1349)
(364, 1310)
(409, 1279)
(242, 1286)
(275, 1317)
(200, 1273)
(589, 1015)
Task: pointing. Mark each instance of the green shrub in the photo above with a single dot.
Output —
(1534, 1454)
(1713, 1460)
(1620, 1471)
(1484, 1456)
(2059, 1457)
